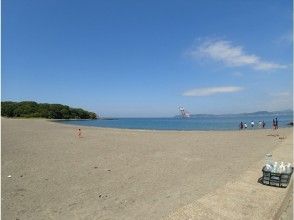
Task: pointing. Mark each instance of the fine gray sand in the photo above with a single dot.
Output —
(287, 212)
(125, 174)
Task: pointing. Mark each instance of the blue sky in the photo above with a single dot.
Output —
(147, 58)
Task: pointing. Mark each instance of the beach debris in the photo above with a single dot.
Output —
(102, 196)
(108, 170)
(281, 138)
(9, 176)
(95, 167)
(273, 135)
(21, 176)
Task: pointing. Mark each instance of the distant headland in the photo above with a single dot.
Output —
(284, 112)
(31, 109)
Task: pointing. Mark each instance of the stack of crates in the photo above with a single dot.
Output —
(276, 179)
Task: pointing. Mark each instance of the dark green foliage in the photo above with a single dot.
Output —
(43, 110)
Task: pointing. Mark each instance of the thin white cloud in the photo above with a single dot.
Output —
(212, 90)
(230, 55)
(280, 94)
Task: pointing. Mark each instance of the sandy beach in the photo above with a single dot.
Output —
(133, 174)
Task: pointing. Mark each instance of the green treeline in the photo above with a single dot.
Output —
(28, 109)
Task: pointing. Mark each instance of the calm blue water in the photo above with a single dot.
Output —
(203, 123)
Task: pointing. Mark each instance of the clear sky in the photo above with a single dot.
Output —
(147, 58)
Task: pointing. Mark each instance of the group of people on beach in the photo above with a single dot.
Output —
(261, 124)
(275, 124)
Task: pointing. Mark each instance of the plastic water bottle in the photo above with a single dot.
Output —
(268, 159)
(282, 167)
(288, 168)
(268, 162)
(268, 167)
(275, 168)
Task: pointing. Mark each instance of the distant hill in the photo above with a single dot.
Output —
(30, 109)
(284, 112)
(269, 113)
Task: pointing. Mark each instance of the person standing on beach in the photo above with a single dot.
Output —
(241, 125)
(274, 124)
(263, 124)
(277, 126)
(79, 133)
(252, 124)
(245, 125)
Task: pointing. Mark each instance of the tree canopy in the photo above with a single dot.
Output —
(29, 109)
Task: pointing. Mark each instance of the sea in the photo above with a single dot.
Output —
(198, 123)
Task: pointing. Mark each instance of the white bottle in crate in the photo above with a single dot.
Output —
(275, 168)
(282, 168)
(268, 159)
(268, 168)
(288, 168)
(268, 162)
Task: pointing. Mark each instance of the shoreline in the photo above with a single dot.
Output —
(174, 130)
(149, 130)
(128, 174)
(60, 121)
